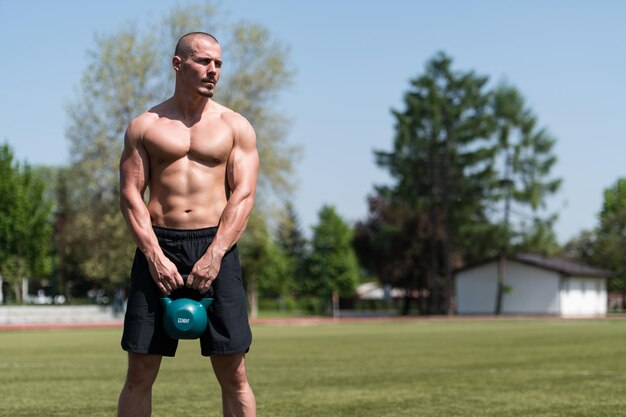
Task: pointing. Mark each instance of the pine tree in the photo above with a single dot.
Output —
(442, 161)
(525, 159)
(332, 266)
(292, 243)
(460, 151)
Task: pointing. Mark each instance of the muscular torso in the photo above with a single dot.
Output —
(187, 172)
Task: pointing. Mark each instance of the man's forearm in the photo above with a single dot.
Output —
(163, 271)
(140, 226)
(233, 222)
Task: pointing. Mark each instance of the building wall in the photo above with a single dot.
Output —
(476, 290)
(532, 290)
(583, 296)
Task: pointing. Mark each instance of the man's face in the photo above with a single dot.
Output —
(201, 70)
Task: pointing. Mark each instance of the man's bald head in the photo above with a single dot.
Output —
(184, 47)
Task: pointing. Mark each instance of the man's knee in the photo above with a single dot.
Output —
(142, 370)
(230, 370)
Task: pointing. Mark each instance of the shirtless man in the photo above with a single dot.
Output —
(200, 161)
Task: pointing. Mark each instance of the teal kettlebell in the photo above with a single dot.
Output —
(185, 318)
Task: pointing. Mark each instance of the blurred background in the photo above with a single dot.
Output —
(401, 143)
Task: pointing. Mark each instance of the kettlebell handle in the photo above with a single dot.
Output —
(205, 302)
(207, 295)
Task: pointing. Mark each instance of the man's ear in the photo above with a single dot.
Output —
(176, 62)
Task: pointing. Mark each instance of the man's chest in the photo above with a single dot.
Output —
(208, 142)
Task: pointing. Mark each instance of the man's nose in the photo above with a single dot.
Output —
(212, 68)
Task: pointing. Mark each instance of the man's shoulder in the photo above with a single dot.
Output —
(146, 118)
(235, 120)
(222, 111)
(141, 123)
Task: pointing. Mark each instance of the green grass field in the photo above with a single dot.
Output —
(442, 368)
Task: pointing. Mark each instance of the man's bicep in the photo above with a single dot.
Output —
(134, 162)
(244, 167)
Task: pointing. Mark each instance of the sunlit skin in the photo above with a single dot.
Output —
(200, 162)
(192, 153)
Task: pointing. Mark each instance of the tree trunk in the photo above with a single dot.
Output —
(17, 289)
(406, 305)
(253, 298)
(433, 276)
(447, 239)
(505, 244)
(25, 283)
(500, 284)
(449, 290)
(448, 259)
(335, 304)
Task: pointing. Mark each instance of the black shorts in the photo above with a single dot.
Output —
(228, 329)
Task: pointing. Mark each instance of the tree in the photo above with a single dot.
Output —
(332, 266)
(265, 267)
(118, 84)
(293, 245)
(127, 73)
(67, 237)
(442, 159)
(393, 244)
(524, 153)
(25, 230)
(274, 279)
(460, 150)
(582, 247)
(604, 245)
(611, 236)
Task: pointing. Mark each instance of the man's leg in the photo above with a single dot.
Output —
(237, 397)
(136, 397)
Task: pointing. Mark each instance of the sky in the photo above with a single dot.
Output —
(354, 61)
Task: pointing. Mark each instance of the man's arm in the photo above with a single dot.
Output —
(134, 174)
(242, 171)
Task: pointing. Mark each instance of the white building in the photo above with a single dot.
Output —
(533, 285)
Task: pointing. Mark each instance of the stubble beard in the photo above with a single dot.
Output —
(206, 92)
